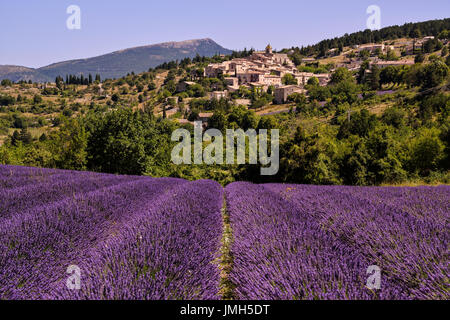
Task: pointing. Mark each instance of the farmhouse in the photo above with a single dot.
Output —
(184, 85)
(283, 92)
(383, 64)
(371, 47)
(218, 94)
(204, 116)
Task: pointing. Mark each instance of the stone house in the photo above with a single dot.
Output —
(283, 92)
(218, 95)
(184, 85)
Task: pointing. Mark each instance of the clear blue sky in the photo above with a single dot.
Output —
(34, 33)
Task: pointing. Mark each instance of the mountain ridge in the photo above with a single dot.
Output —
(117, 63)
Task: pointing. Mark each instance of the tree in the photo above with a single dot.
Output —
(128, 142)
(6, 83)
(197, 90)
(426, 150)
(340, 75)
(298, 98)
(25, 136)
(18, 122)
(218, 121)
(391, 56)
(289, 79)
(361, 123)
(415, 33)
(249, 121)
(389, 75)
(432, 45)
(43, 137)
(37, 99)
(268, 122)
(362, 71)
(308, 159)
(364, 54)
(344, 92)
(444, 35)
(313, 81)
(68, 145)
(419, 58)
(7, 100)
(433, 74)
(375, 77)
(15, 138)
(394, 117)
(115, 97)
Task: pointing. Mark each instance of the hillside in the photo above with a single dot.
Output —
(413, 30)
(378, 115)
(118, 63)
(17, 73)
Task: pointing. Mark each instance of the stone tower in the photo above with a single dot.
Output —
(269, 49)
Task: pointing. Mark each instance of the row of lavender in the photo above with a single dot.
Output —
(316, 242)
(131, 237)
(145, 238)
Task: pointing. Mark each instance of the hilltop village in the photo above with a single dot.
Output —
(261, 70)
(275, 73)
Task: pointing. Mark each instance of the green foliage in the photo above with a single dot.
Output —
(68, 145)
(313, 81)
(25, 136)
(375, 77)
(298, 98)
(413, 30)
(37, 99)
(128, 142)
(433, 74)
(444, 35)
(7, 100)
(361, 123)
(6, 83)
(341, 75)
(394, 117)
(115, 97)
(218, 121)
(288, 79)
(432, 45)
(419, 58)
(426, 150)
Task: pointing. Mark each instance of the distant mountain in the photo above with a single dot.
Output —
(118, 63)
(16, 73)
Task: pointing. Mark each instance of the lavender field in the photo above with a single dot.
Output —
(163, 238)
(132, 237)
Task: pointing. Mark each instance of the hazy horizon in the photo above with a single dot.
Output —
(35, 34)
